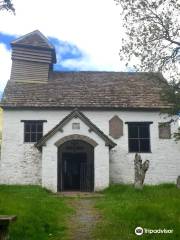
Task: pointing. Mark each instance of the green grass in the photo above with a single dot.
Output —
(43, 215)
(40, 214)
(123, 209)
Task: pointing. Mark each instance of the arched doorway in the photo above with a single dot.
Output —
(76, 166)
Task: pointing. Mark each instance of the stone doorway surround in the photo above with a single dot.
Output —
(75, 166)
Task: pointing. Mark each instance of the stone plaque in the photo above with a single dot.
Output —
(115, 127)
(76, 126)
(164, 130)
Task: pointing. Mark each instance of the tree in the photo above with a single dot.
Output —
(7, 5)
(152, 40)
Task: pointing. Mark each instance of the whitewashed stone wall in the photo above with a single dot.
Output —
(164, 157)
(21, 162)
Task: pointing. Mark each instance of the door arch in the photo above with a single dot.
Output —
(75, 166)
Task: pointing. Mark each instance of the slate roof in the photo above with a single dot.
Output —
(117, 90)
(75, 113)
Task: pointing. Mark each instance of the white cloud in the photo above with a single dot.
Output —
(82, 64)
(5, 65)
(93, 26)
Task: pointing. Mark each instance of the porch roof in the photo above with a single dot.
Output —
(75, 114)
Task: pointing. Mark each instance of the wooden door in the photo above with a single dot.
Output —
(76, 166)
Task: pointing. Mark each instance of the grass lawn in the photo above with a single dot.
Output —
(41, 215)
(123, 209)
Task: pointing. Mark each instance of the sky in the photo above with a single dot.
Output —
(86, 33)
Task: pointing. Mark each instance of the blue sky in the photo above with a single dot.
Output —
(6, 39)
(66, 51)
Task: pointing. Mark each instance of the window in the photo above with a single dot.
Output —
(33, 131)
(164, 130)
(139, 137)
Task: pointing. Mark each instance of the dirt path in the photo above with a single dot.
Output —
(84, 220)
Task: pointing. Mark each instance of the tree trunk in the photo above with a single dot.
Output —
(140, 171)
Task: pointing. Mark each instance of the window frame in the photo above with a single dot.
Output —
(138, 125)
(36, 132)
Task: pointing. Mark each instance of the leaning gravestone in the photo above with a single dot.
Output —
(178, 182)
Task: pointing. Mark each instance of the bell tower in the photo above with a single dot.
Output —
(32, 58)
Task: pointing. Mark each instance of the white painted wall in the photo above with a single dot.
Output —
(21, 162)
(164, 157)
(101, 157)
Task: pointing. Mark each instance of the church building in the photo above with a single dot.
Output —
(79, 131)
